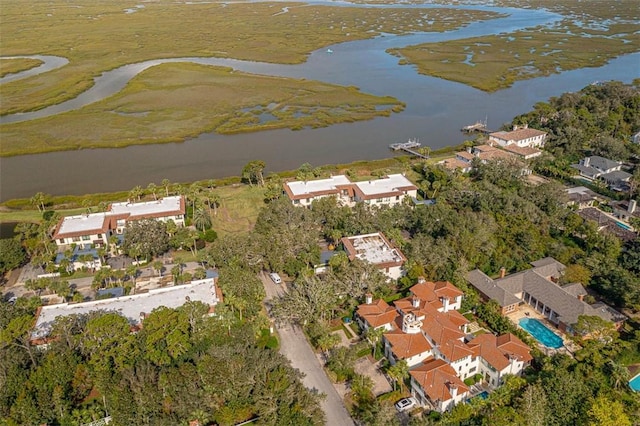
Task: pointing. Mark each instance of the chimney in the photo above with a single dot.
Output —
(453, 388)
(581, 297)
(586, 161)
(421, 280)
(415, 302)
(503, 272)
(515, 127)
(632, 206)
(368, 298)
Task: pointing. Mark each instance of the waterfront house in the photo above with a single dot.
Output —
(387, 190)
(90, 230)
(520, 136)
(303, 193)
(378, 250)
(84, 230)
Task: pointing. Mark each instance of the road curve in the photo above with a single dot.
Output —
(294, 345)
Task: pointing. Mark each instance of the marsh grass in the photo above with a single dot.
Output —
(589, 37)
(99, 36)
(12, 66)
(172, 102)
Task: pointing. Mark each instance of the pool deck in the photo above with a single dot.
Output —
(526, 311)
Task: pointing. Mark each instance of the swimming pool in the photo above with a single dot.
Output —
(623, 226)
(635, 383)
(481, 395)
(541, 333)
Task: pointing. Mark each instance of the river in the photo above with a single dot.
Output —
(436, 109)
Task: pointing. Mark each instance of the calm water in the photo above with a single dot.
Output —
(541, 333)
(436, 109)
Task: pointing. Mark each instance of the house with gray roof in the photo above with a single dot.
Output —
(539, 288)
(610, 171)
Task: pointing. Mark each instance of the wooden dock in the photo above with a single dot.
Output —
(408, 147)
(478, 126)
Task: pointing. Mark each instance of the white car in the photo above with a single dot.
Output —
(275, 278)
(406, 404)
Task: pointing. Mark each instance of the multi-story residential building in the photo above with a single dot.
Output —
(94, 229)
(376, 249)
(428, 332)
(303, 193)
(84, 230)
(388, 190)
(520, 137)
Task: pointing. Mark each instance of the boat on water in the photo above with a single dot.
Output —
(329, 51)
(411, 143)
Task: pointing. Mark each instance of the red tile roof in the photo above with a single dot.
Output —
(377, 313)
(430, 291)
(497, 350)
(405, 345)
(437, 379)
(454, 350)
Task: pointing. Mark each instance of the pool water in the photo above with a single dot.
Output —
(623, 226)
(541, 333)
(481, 395)
(635, 383)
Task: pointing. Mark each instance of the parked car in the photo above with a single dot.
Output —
(275, 278)
(406, 404)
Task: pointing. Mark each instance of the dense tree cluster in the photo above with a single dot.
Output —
(600, 118)
(182, 366)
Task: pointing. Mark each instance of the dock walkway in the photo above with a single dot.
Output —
(408, 148)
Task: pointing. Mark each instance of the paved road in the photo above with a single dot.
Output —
(294, 345)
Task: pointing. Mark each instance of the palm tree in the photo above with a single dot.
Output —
(38, 201)
(328, 342)
(398, 372)
(374, 335)
(201, 219)
(135, 193)
(132, 272)
(158, 265)
(153, 189)
(214, 199)
(166, 183)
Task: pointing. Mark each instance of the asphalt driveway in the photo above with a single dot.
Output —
(294, 345)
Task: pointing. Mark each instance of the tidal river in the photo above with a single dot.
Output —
(436, 109)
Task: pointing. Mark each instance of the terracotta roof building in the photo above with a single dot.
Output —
(436, 384)
(519, 136)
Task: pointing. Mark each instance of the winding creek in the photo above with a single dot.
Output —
(436, 109)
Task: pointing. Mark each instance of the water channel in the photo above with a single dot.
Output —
(436, 109)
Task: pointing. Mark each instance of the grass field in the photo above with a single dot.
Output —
(172, 102)
(590, 37)
(11, 66)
